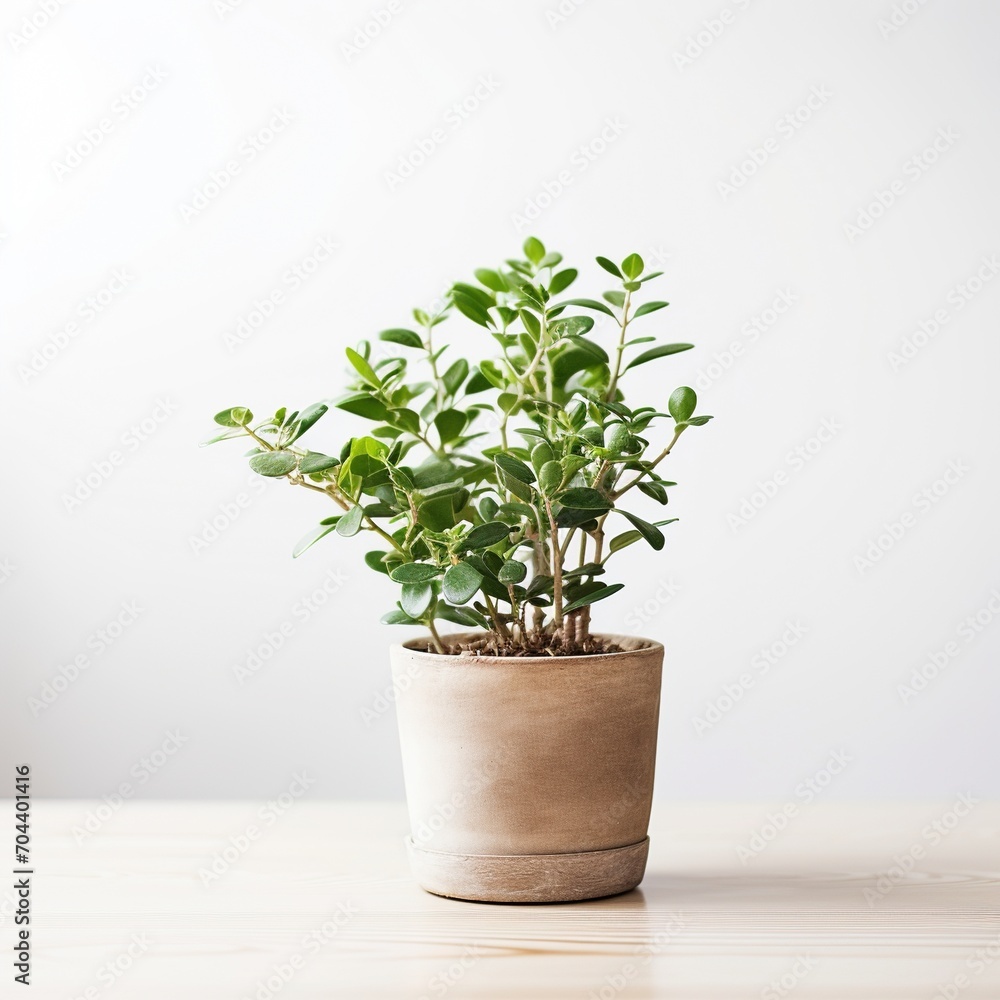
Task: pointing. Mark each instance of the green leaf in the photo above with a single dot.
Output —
(653, 490)
(273, 463)
(491, 372)
(228, 436)
(313, 462)
(512, 572)
(468, 617)
(461, 582)
(488, 508)
(623, 540)
(416, 598)
(590, 304)
(571, 326)
(398, 617)
(632, 286)
(491, 279)
(455, 376)
(362, 367)
(483, 535)
(551, 259)
(698, 421)
(307, 418)
(414, 573)
(235, 416)
(648, 307)
(375, 560)
(450, 424)
(657, 352)
(350, 523)
(469, 307)
(540, 454)
(363, 405)
(682, 403)
(409, 420)
(514, 467)
(408, 338)
(510, 512)
(562, 280)
(615, 298)
(650, 532)
(310, 539)
(632, 265)
(584, 498)
(593, 597)
(550, 477)
(534, 250)
(609, 266)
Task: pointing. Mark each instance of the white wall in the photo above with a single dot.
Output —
(885, 95)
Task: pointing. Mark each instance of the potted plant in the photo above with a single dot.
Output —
(496, 493)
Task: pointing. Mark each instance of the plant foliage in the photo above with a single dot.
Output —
(496, 492)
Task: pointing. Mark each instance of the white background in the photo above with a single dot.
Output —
(725, 587)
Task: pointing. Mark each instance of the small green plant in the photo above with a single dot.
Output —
(492, 489)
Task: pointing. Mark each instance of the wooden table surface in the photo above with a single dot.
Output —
(852, 902)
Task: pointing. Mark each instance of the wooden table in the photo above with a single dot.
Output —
(320, 904)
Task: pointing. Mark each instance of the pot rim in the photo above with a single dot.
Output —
(632, 645)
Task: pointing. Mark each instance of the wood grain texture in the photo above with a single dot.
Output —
(327, 888)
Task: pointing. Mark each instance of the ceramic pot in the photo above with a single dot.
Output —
(528, 779)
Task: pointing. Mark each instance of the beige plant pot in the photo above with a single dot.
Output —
(528, 780)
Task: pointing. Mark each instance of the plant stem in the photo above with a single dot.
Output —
(656, 461)
(557, 615)
(438, 644)
(613, 384)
